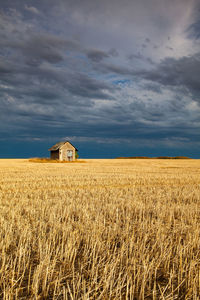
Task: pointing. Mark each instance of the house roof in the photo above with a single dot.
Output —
(59, 145)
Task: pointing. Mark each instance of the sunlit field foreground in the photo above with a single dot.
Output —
(105, 229)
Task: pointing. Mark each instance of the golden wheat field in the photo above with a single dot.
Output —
(103, 229)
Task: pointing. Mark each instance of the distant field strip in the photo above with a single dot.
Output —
(103, 229)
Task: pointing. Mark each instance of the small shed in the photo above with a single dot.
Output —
(63, 151)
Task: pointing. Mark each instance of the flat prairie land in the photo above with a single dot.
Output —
(104, 229)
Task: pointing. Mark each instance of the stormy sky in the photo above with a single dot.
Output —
(116, 78)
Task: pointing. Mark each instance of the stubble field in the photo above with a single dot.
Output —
(104, 229)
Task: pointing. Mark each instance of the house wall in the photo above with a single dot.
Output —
(55, 154)
(63, 151)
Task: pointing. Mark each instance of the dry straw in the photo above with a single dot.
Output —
(107, 229)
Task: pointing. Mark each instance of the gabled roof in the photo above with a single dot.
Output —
(59, 145)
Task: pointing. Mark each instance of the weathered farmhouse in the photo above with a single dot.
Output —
(63, 151)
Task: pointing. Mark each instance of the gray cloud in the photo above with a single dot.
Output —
(113, 52)
(40, 47)
(194, 31)
(138, 56)
(97, 55)
(170, 71)
(153, 86)
(32, 9)
(99, 69)
(177, 72)
(147, 40)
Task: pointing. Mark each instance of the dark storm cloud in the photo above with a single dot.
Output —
(113, 52)
(42, 48)
(83, 85)
(154, 87)
(5, 67)
(196, 30)
(139, 56)
(76, 83)
(182, 72)
(35, 48)
(99, 71)
(177, 72)
(135, 56)
(96, 55)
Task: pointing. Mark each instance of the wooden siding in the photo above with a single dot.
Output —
(55, 154)
(64, 154)
(63, 151)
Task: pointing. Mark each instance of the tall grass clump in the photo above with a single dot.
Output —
(107, 229)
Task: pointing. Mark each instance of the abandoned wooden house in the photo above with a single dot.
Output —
(63, 151)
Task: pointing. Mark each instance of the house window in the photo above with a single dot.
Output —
(69, 154)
